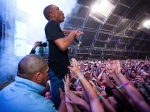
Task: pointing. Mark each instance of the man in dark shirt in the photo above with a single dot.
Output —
(58, 49)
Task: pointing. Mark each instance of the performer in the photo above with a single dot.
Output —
(58, 49)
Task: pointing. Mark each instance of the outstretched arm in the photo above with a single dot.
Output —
(92, 96)
(116, 92)
(132, 92)
(62, 106)
(66, 81)
(78, 101)
(107, 105)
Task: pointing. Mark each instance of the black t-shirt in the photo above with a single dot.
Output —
(58, 60)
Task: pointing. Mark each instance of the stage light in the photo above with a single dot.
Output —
(94, 8)
(146, 24)
(101, 10)
(101, 7)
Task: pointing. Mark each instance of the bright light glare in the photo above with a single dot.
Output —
(147, 24)
(94, 8)
(103, 7)
(104, 4)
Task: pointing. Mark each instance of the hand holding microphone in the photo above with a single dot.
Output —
(78, 33)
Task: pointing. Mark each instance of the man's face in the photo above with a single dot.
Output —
(58, 14)
(45, 76)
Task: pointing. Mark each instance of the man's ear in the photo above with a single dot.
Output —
(51, 14)
(38, 77)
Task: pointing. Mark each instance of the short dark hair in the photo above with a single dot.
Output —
(46, 11)
(31, 64)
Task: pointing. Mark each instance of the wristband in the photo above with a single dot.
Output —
(125, 84)
(100, 97)
(79, 79)
(119, 87)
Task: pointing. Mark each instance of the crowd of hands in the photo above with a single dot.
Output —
(100, 75)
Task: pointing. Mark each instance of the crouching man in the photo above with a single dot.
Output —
(23, 94)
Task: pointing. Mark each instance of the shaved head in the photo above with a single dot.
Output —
(47, 11)
(30, 65)
(52, 12)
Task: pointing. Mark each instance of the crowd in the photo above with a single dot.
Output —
(91, 86)
(122, 86)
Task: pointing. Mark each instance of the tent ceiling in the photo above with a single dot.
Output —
(121, 35)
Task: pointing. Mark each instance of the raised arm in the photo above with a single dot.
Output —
(116, 92)
(132, 92)
(107, 105)
(62, 106)
(92, 96)
(98, 80)
(78, 101)
(66, 81)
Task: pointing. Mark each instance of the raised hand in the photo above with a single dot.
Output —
(108, 82)
(94, 74)
(87, 74)
(66, 81)
(75, 69)
(62, 94)
(73, 99)
(139, 79)
(37, 43)
(110, 69)
(118, 67)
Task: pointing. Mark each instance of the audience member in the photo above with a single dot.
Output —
(23, 94)
(48, 95)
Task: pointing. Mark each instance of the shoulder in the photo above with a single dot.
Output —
(42, 104)
(30, 100)
(52, 22)
(52, 25)
(45, 104)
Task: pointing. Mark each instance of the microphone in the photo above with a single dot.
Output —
(79, 42)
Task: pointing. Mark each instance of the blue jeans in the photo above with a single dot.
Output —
(56, 83)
